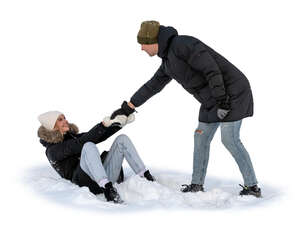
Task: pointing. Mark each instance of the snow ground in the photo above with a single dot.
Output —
(141, 195)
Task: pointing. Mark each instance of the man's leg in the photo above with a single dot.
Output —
(202, 139)
(122, 148)
(230, 132)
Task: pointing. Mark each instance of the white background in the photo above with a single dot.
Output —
(81, 57)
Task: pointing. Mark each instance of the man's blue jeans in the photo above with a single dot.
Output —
(230, 133)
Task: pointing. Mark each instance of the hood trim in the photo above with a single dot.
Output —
(54, 136)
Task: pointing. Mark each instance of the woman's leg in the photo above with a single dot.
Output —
(90, 163)
(230, 132)
(122, 148)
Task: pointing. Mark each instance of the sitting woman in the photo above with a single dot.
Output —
(76, 158)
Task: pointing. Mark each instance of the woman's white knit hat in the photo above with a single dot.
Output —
(48, 119)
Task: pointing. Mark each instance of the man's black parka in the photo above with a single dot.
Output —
(201, 71)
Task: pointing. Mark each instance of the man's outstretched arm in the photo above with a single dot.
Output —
(150, 88)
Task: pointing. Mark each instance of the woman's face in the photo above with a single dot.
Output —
(62, 124)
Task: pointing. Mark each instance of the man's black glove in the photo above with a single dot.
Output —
(223, 108)
(124, 110)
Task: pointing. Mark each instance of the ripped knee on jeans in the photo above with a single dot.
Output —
(199, 131)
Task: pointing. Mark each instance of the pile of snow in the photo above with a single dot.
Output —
(140, 194)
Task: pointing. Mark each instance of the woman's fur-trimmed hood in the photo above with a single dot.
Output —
(55, 136)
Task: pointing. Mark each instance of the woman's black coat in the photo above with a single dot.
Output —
(63, 152)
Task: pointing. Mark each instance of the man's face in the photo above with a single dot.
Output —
(151, 49)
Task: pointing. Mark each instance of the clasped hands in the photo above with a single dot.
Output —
(120, 117)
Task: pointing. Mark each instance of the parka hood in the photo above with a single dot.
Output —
(54, 136)
(165, 35)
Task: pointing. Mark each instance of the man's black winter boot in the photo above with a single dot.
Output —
(111, 193)
(148, 176)
(192, 188)
(252, 190)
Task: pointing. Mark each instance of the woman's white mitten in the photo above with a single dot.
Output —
(130, 118)
(120, 119)
(107, 122)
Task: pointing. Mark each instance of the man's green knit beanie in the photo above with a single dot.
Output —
(148, 33)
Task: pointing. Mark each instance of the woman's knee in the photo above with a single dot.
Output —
(123, 138)
(88, 146)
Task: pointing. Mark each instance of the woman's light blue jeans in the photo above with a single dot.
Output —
(122, 147)
(230, 134)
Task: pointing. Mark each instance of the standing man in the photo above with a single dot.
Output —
(223, 91)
